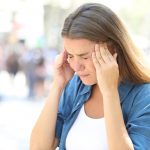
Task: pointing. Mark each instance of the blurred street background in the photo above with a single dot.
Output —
(29, 41)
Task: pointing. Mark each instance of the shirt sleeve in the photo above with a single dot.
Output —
(138, 124)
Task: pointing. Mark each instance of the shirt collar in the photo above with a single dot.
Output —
(85, 89)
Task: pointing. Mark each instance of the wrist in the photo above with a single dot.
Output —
(56, 84)
(110, 93)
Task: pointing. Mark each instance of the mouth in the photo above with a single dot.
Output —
(83, 76)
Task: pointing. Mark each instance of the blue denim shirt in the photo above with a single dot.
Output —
(135, 104)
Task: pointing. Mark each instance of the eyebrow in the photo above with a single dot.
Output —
(83, 54)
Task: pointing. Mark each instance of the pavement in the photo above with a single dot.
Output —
(17, 118)
(18, 114)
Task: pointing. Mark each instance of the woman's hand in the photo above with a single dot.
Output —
(107, 71)
(62, 70)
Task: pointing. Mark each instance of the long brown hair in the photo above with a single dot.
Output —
(97, 22)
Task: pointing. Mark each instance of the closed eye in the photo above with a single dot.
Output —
(85, 58)
(70, 56)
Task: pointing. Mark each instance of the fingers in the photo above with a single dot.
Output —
(95, 60)
(105, 52)
(65, 57)
(102, 55)
(61, 59)
(98, 55)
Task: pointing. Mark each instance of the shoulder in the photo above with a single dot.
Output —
(141, 101)
(138, 115)
(141, 93)
(133, 91)
(137, 100)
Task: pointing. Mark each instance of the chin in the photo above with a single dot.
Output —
(89, 83)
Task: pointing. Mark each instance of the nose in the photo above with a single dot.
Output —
(78, 66)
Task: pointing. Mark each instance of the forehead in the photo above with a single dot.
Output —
(78, 46)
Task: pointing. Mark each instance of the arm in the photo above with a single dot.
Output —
(117, 134)
(107, 79)
(43, 133)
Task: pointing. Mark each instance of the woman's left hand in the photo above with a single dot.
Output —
(107, 71)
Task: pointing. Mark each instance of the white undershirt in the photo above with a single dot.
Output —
(87, 134)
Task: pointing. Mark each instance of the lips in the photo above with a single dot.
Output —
(85, 75)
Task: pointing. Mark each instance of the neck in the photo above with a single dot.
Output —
(96, 92)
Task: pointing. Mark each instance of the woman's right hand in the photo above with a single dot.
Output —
(62, 70)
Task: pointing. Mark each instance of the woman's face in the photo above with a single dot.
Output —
(79, 53)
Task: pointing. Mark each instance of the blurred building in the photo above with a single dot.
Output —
(39, 22)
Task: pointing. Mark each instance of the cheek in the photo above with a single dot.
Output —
(71, 65)
(91, 65)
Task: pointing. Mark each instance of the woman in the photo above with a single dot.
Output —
(100, 96)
